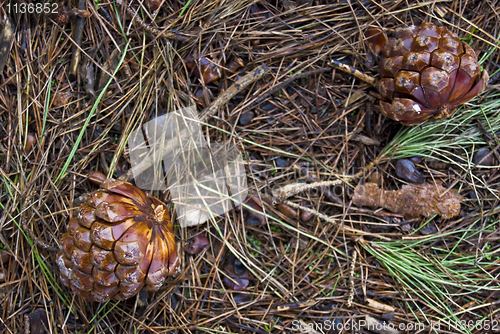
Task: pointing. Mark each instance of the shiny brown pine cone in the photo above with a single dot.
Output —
(426, 71)
(119, 242)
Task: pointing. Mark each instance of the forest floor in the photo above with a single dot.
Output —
(333, 264)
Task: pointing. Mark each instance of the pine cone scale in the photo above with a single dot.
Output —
(81, 259)
(86, 215)
(67, 244)
(127, 190)
(81, 238)
(415, 61)
(157, 271)
(103, 259)
(105, 278)
(475, 90)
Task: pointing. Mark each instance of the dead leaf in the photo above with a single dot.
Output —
(61, 98)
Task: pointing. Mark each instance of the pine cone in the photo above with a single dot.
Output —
(425, 71)
(120, 241)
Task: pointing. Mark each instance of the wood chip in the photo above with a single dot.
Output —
(365, 140)
(379, 306)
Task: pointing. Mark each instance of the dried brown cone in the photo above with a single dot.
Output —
(119, 242)
(210, 72)
(426, 71)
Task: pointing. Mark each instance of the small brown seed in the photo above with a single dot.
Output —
(210, 72)
(281, 162)
(153, 4)
(238, 274)
(4, 257)
(61, 99)
(38, 321)
(234, 64)
(416, 160)
(121, 168)
(241, 298)
(199, 94)
(237, 284)
(30, 142)
(305, 216)
(287, 211)
(388, 316)
(376, 177)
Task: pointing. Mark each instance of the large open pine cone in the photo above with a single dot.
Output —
(120, 241)
(426, 71)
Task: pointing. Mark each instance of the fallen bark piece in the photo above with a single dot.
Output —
(411, 201)
(379, 306)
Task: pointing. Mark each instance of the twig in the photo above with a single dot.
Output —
(327, 191)
(351, 70)
(238, 86)
(314, 212)
(77, 37)
(367, 168)
(284, 193)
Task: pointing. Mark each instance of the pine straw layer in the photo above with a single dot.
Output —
(300, 269)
